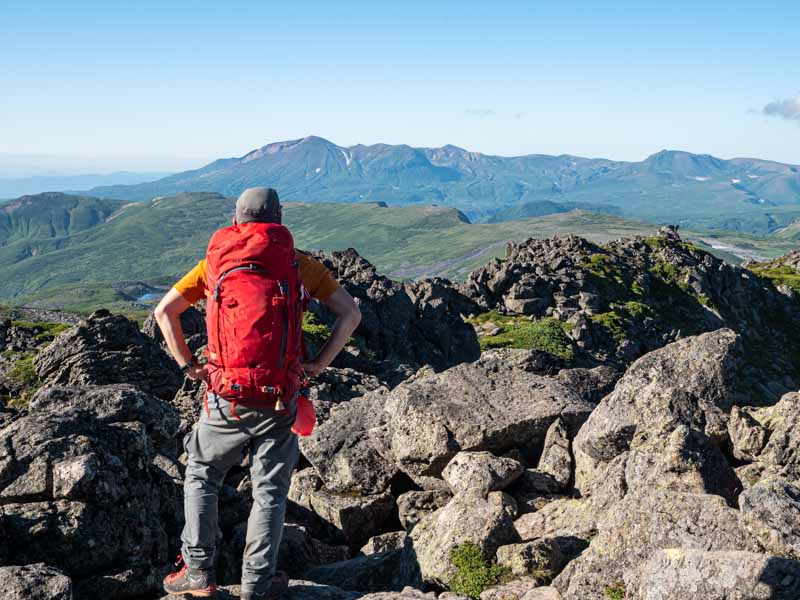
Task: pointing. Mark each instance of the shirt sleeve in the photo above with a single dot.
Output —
(315, 277)
(192, 285)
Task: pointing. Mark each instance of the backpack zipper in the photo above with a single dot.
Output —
(284, 287)
(218, 287)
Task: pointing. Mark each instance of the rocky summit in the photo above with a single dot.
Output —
(572, 422)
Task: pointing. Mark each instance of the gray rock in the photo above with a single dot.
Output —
(573, 520)
(412, 506)
(590, 384)
(481, 471)
(350, 517)
(512, 589)
(487, 405)
(80, 489)
(335, 386)
(298, 590)
(680, 459)
(394, 540)
(34, 582)
(378, 572)
(728, 575)
(688, 382)
(300, 552)
(542, 593)
(108, 349)
(343, 451)
(747, 436)
(641, 524)
(540, 559)
(556, 459)
(467, 517)
(781, 454)
(775, 503)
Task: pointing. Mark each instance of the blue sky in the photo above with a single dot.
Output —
(166, 85)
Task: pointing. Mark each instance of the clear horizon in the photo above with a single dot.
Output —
(95, 88)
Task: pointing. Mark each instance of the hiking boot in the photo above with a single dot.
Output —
(195, 582)
(280, 583)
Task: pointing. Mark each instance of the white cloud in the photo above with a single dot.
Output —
(788, 108)
(481, 112)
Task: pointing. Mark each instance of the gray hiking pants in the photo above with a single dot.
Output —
(218, 442)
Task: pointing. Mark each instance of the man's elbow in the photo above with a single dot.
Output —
(354, 315)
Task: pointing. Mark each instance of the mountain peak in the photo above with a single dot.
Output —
(276, 147)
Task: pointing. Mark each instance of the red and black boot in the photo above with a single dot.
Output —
(194, 582)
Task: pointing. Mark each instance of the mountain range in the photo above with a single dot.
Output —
(694, 190)
(20, 186)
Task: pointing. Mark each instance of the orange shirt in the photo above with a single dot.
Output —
(315, 277)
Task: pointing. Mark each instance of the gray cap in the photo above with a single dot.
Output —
(259, 204)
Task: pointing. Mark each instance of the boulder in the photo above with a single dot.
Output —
(343, 451)
(298, 590)
(774, 506)
(590, 384)
(467, 517)
(574, 521)
(193, 324)
(680, 459)
(540, 559)
(34, 582)
(640, 524)
(689, 382)
(542, 593)
(723, 575)
(81, 485)
(336, 386)
(299, 551)
(394, 540)
(480, 471)
(556, 459)
(402, 324)
(413, 506)
(517, 588)
(781, 454)
(351, 518)
(747, 436)
(108, 349)
(378, 572)
(491, 404)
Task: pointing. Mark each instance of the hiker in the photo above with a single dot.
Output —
(256, 287)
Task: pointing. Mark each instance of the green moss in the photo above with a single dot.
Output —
(546, 334)
(665, 271)
(24, 374)
(656, 241)
(611, 321)
(637, 310)
(615, 591)
(779, 275)
(601, 266)
(44, 330)
(474, 573)
(316, 331)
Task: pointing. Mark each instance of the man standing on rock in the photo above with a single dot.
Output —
(256, 286)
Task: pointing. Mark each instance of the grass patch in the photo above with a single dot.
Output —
(615, 591)
(548, 334)
(601, 266)
(474, 573)
(613, 322)
(316, 331)
(780, 275)
(44, 330)
(24, 374)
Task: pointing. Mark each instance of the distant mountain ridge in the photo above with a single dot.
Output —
(20, 186)
(696, 190)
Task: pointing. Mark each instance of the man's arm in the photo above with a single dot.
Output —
(168, 316)
(348, 316)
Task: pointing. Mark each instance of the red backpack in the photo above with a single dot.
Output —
(254, 311)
